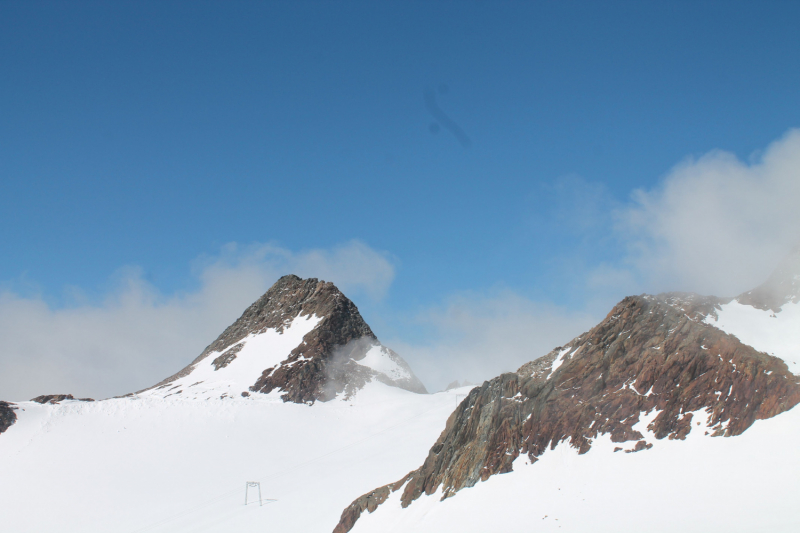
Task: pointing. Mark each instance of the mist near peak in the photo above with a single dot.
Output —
(715, 224)
(135, 335)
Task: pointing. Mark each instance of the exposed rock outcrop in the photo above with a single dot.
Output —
(57, 398)
(7, 415)
(367, 502)
(650, 354)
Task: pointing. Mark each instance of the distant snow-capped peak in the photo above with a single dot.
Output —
(303, 340)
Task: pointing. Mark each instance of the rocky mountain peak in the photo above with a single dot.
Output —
(290, 297)
(304, 338)
(652, 369)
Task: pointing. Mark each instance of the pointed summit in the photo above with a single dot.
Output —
(303, 338)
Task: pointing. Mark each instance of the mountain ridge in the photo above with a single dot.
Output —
(657, 360)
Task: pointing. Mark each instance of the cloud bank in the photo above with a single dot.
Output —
(137, 336)
(715, 225)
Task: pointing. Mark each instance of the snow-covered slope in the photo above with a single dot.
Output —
(744, 484)
(768, 317)
(297, 394)
(180, 465)
(233, 370)
(776, 333)
(304, 338)
(667, 416)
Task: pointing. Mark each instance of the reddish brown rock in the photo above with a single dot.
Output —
(650, 353)
(367, 502)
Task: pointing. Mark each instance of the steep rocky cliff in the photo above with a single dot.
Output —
(337, 355)
(652, 355)
(7, 415)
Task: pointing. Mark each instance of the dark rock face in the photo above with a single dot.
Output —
(315, 372)
(56, 398)
(7, 415)
(225, 359)
(648, 354)
(323, 365)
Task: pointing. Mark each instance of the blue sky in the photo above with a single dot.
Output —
(146, 137)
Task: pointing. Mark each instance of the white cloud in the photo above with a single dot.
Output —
(716, 225)
(354, 267)
(137, 336)
(479, 336)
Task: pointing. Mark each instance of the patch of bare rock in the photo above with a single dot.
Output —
(7, 415)
(58, 398)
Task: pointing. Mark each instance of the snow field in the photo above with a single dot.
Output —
(703, 484)
(379, 359)
(777, 334)
(177, 465)
(741, 484)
